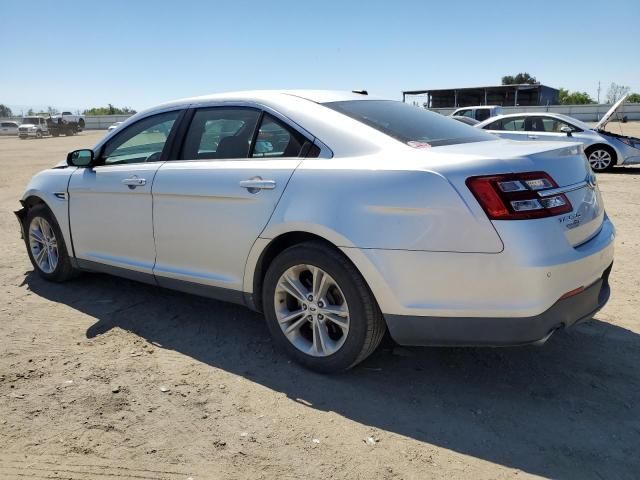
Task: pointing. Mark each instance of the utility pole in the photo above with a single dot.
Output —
(598, 91)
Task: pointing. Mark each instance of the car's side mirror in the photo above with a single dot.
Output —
(80, 158)
(566, 129)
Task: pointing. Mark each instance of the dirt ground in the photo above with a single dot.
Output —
(105, 378)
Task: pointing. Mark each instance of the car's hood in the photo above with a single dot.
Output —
(609, 115)
(27, 125)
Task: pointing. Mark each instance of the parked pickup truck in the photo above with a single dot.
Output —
(69, 118)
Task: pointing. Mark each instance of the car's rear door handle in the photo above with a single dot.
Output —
(255, 184)
(134, 181)
(532, 137)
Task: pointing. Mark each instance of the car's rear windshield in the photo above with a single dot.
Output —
(409, 124)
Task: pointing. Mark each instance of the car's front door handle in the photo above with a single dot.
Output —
(532, 137)
(134, 181)
(254, 185)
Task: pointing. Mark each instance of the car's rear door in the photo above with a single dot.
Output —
(508, 127)
(211, 204)
(110, 205)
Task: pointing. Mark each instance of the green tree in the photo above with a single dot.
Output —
(566, 97)
(520, 78)
(634, 98)
(30, 112)
(5, 111)
(109, 110)
(52, 111)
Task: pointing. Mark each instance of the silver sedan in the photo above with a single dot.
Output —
(604, 149)
(339, 216)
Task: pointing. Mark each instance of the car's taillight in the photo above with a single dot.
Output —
(516, 196)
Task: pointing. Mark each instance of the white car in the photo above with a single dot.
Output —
(479, 113)
(9, 128)
(336, 214)
(604, 149)
(114, 126)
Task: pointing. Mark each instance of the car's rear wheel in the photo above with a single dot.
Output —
(600, 158)
(319, 308)
(45, 245)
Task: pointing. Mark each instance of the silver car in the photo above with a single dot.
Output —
(604, 149)
(339, 216)
(9, 128)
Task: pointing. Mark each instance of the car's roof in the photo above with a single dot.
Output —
(317, 96)
(559, 116)
(302, 109)
(478, 106)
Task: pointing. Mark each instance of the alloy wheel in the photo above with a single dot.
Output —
(600, 160)
(311, 310)
(43, 244)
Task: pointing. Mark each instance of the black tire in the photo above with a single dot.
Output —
(38, 134)
(64, 270)
(366, 323)
(596, 150)
(81, 125)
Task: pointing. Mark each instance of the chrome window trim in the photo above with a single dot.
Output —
(325, 151)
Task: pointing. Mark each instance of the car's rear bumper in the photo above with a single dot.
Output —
(512, 297)
(501, 331)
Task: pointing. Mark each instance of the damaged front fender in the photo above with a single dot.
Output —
(21, 215)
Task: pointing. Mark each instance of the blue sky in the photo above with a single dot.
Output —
(78, 54)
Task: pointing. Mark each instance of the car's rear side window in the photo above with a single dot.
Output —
(408, 123)
(277, 140)
(482, 114)
(516, 124)
(220, 133)
(497, 125)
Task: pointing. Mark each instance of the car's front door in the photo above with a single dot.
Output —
(211, 204)
(110, 205)
(547, 129)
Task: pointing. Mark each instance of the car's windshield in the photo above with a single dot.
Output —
(31, 120)
(408, 123)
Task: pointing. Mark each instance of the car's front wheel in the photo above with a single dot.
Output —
(601, 158)
(319, 308)
(45, 245)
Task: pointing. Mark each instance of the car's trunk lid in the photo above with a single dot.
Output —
(566, 164)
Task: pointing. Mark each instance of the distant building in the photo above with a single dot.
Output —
(504, 95)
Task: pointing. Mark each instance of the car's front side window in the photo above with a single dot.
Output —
(141, 142)
(220, 132)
